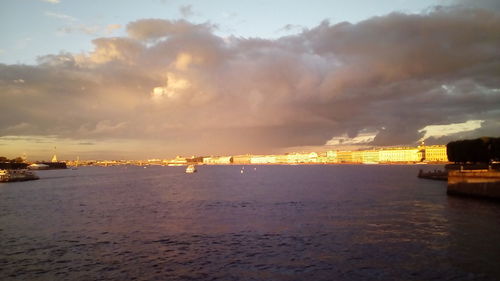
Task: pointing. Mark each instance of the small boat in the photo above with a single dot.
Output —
(17, 175)
(191, 169)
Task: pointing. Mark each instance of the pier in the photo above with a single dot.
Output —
(433, 175)
(474, 183)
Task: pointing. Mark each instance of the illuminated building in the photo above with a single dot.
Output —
(435, 153)
(371, 156)
(331, 156)
(312, 157)
(399, 155)
(223, 160)
(263, 159)
(296, 158)
(357, 156)
(242, 159)
(322, 158)
(178, 161)
(344, 156)
(282, 159)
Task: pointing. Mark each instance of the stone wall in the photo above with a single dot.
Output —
(475, 183)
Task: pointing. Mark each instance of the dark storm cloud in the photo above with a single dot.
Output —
(180, 83)
(481, 4)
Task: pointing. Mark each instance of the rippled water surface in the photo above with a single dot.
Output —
(269, 223)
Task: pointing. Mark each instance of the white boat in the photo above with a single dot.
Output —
(38, 166)
(17, 175)
(191, 169)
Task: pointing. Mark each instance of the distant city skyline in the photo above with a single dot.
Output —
(160, 78)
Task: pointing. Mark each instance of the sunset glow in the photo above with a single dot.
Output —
(140, 85)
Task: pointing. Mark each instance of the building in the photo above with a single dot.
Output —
(178, 161)
(371, 156)
(322, 158)
(331, 156)
(357, 156)
(312, 157)
(223, 160)
(194, 160)
(263, 159)
(344, 156)
(282, 159)
(401, 155)
(363, 156)
(435, 153)
(155, 161)
(242, 159)
(296, 158)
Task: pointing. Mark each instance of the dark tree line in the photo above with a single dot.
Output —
(15, 160)
(482, 150)
(16, 163)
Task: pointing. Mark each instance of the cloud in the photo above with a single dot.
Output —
(289, 28)
(483, 4)
(186, 11)
(359, 139)
(116, 49)
(60, 16)
(90, 29)
(177, 83)
(436, 131)
(52, 1)
(73, 25)
(110, 28)
(157, 28)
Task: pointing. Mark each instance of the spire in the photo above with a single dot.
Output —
(54, 158)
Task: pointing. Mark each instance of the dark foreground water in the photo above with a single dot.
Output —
(272, 223)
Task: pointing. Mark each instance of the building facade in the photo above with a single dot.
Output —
(344, 156)
(263, 159)
(399, 155)
(435, 153)
(224, 160)
(331, 156)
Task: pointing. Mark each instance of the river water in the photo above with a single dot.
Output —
(332, 222)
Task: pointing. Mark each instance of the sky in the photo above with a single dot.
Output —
(160, 78)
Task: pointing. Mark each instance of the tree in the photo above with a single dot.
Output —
(481, 150)
(17, 160)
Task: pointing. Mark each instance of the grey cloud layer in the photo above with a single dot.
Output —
(179, 82)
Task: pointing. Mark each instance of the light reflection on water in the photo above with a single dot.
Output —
(273, 223)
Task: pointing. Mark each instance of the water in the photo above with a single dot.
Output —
(273, 223)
